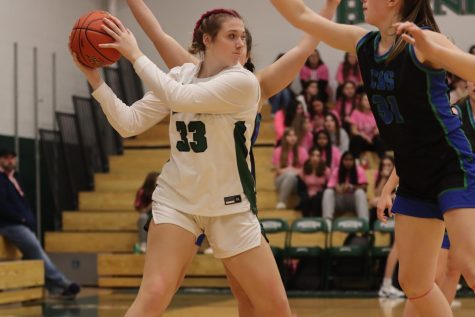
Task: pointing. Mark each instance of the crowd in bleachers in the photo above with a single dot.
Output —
(326, 140)
(327, 147)
(315, 130)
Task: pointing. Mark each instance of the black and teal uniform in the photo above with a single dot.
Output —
(433, 157)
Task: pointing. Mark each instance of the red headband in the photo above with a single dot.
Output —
(210, 13)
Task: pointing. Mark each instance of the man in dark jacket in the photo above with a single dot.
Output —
(18, 223)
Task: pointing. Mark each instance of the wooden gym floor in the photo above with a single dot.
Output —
(107, 303)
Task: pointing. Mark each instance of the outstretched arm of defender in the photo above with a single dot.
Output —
(438, 50)
(339, 36)
(172, 53)
(282, 72)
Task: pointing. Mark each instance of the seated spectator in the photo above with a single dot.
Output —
(345, 105)
(348, 70)
(283, 98)
(386, 166)
(330, 153)
(285, 117)
(304, 131)
(346, 190)
(365, 133)
(143, 204)
(338, 136)
(315, 69)
(317, 113)
(458, 88)
(312, 182)
(309, 91)
(288, 160)
(18, 225)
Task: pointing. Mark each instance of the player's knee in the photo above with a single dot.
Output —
(159, 287)
(414, 287)
(275, 305)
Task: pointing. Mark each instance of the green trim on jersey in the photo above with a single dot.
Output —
(247, 181)
(380, 58)
(439, 119)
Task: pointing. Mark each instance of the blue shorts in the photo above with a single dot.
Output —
(447, 200)
(446, 242)
(415, 207)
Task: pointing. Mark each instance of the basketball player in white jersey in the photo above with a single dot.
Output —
(207, 185)
(272, 79)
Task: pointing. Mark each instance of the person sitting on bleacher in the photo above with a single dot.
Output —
(346, 189)
(18, 224)
(312, 181)
(288, 160)
(143, 204)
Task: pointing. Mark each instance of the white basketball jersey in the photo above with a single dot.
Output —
(208, 172)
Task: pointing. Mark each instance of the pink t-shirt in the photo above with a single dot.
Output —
(279, 124)
(336, 155)
(348, 108)
(315, 183)
(356, 78)
(303, 156)
(321, 73)
(318, 122)
(307, 141)
(365, 123)
(360, 175)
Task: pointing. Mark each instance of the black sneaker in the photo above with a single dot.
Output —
(71, 290)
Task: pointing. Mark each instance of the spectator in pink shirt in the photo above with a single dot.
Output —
(365, 134)
(312, 182)
(330, 153)
(348, 70)
(315, 69)
(288, 160)
(346, 189)
(345, 104)
(143, 205)
(309, 91)
(284, 118)
(338, 136)
(317, 112)
(304, 130)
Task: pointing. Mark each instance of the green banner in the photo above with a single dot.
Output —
(351, 11)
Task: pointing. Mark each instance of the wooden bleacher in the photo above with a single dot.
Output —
(125, 270)
(20, 280)
(106, 222)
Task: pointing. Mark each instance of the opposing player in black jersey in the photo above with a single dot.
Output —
(435, 165)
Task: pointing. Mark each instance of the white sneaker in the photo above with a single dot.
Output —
(456, 303)
(281, 205)
(208, 251)
(390, 292)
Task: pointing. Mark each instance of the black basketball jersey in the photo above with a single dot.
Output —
(410, 104)
(465, 114)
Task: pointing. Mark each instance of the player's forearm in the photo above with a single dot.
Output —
(456, 61)
(391, 184)
(172, 53)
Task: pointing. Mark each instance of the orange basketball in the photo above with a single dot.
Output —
(85, 38)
